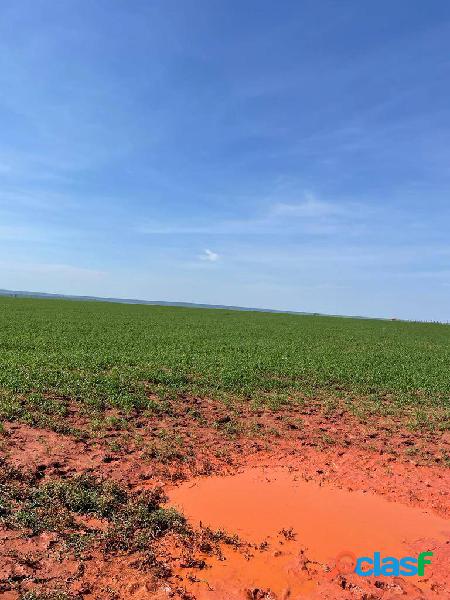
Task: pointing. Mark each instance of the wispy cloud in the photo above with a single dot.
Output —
(52, 268)
(215, 226)
(309, 215)
(209, 255)
(33, 232)
(311, 208)
(37, 199)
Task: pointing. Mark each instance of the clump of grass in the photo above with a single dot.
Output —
(13, 488)
(52, 505)
(134, 520)
(78, 542)
(101, 424)
(38, 519)
(37, 410)
(327, 439)
(446, 458)
(116, 445)
(229, 425)
(167, 448)
(141, 521)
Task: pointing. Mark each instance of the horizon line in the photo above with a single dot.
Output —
(186, 304)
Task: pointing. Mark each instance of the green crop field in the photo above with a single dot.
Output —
(105, 354)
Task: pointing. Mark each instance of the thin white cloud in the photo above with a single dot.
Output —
(199, 227)
(69, 270)
(36, 199)
(311, 208)
(33, 233)
(309, 215)
(209, 255)
(52, 268)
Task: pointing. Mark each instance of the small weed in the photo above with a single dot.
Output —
(446, 458)
(273, 431)
(294, 423)
(229, 426)
(115, 446)
(327, 439)
(78, 543)
(288, 534)
(167, 448)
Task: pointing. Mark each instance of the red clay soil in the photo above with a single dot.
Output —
(331, 465)
(298, 528)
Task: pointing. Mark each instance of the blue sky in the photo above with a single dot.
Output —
(293, 155)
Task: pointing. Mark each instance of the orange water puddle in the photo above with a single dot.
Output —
(258, 503)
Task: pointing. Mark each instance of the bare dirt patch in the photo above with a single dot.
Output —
(194, 438)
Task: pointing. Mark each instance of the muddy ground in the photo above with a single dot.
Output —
(194, 439)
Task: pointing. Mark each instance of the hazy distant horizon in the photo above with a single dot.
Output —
(187, 304)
